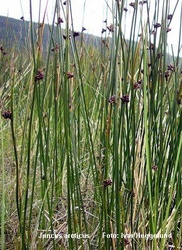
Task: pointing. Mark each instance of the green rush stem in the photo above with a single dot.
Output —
(18, 192)
(3, 192)
(148, 156)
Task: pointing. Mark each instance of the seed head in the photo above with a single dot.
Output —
(132, 4)
(103, 30)
(166, 74)
(70, 75)
(107, 183)
(83, 29)
(112, 100)
(153, 32)
(154, 167)
(137, 85)
(159, 55)
(7, 114)
(169, 17)
(56, 48)
(111, 28)
(125, 98)
(142, 2)
(168, 29)
(170, 67)
(157, 25)
(75, 34)
(60, 20)
(40, 75)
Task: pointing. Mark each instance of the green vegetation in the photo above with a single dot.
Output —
(91, 138)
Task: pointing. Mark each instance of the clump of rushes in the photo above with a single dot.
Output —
(78, 171)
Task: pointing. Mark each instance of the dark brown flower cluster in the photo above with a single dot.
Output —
(137, 85)
(171, 68)
(75, 34)
(40, 75)
(159, 55)
(2, 50)
(112, 100)
(154, 167)
(179, 98)
(7, 114)
(65, 37)
(132, 4)
(168, 29)
(150, 46)
(60, 20)
(166, 74)
(103, 30)
(107, 183)
(169, 17)
(83, 29)
(125, 98)
(70, 75)
(56, 48)
(157, 25)
(111, 28)
(142, 2)
(126, 242)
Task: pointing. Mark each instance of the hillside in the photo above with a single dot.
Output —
(12, 30)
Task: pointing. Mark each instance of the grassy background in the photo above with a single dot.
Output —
(91, 136)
